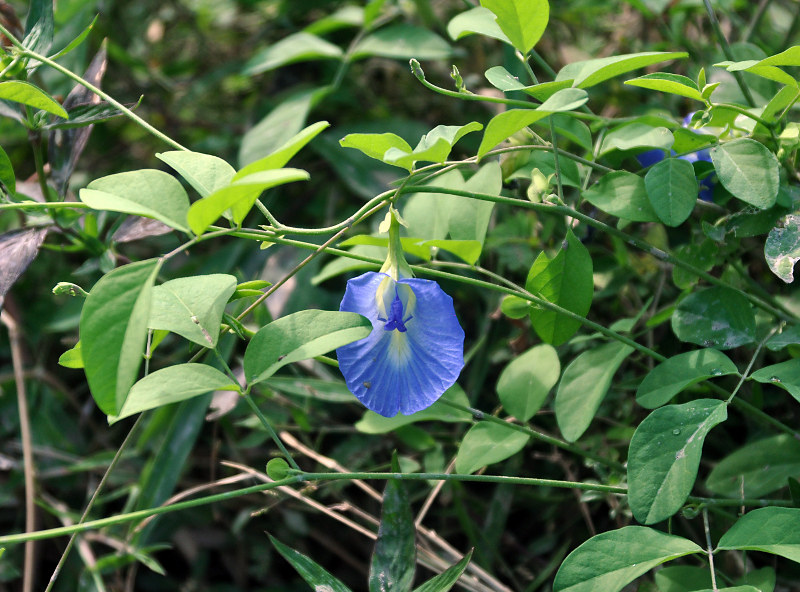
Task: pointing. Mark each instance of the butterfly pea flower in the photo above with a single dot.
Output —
(416, 349)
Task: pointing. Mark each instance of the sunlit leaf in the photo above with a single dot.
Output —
(748, 170)
(526, 381)
(672, 190)
(487, 443)
(771, 530)
(522, 21)
(715, 317)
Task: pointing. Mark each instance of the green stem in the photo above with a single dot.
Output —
(53, 205)
(24, 52)
(270, 431)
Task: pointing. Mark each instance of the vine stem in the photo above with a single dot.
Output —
(24, 52)
(710, 550)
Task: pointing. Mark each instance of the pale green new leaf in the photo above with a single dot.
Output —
(375, 145)
(204, 172)
(584, 386)
(591, 72)
(674, 84)
(299, 336)
(147, 192)
(478, 20)
(526, 381)
(487, 443)
(173, 384)
(607, 562)
(28, 94)
(283, 154)
(664, 456)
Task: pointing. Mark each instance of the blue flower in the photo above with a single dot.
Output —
(415, 351)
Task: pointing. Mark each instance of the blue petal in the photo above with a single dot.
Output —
(391, 371)
(650, 157)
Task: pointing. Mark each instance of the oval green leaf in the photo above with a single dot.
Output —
(672, 190)
(300, 336)
(565, 280)
(192, 307)
(771, 530)
(609, 561)
(488, 443)
(716, 317)
(674, 84)
(679, 372)
(204, 172)
(748, 170)
(147, 192)
(757, 469)
(664, 456)
(476, 20)
(113, 330)
(173, 384)
(584, 386)
(622, 194)
(522, 21)
(785, 375)
(525, 383)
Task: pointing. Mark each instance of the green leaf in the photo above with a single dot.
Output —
(279, 125)
(476, 20)
(300, 336)
(204, 172)
(147, 192)
(716, 317)
(341, 265)
(682, 578)
(309, 570)
(7, 177)
(514, 307)
(674, 84)
(790, 335)
(346, 16)
(375, 145)
(748, 170)
(526, 381)
(469, 218)
(283, 154)
(679, 372)
(170, 385)
(277, 469)
(584, 386)
(565, 280)
(468, 251)
(298, 47)
(637, 135)
(771, 530)
(28, 94)
(509, 122)
(609, 561)
(39, 26)
(447, 579)
(113, 330)
(435, 146)
(503, 80)
(785, 375)
(72, 357)
(591, 72)
(664, 456)
(622, 194)
(487, 443)
(372, 423)
(672, 190)
(77, 41)
(756, 469)
(403, 42)
(762, 579)
(192, 307)
(239, 196)
(394, 558)
(522, 21)
(782, 248)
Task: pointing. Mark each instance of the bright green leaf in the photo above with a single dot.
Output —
(748, 170)
(72, 357)
(298, 47)
(637, 135)
(300, 336)
(679, 372)
(476, 20)
(591, 72)
(672, 190)
(113, 330)
(584, 386)
(782, 248)
(565, 280)
(785, 375)
(771, 530)
(192, 307)
(283, 154)
(435, 146)
(173, 384)
(674, 84)
(622, 194)
(715, 317)
(204, 172)
(522, 21)
(487, 443)
(7, 177)
(609, 561)
(756, 469)
(147, 192)
(239, 196)
(526, 381)
(28, 94)
(375, 145)
(664, 456)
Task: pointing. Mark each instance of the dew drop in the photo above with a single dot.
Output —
(676, 431)
(775, 379)
(715, 372)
